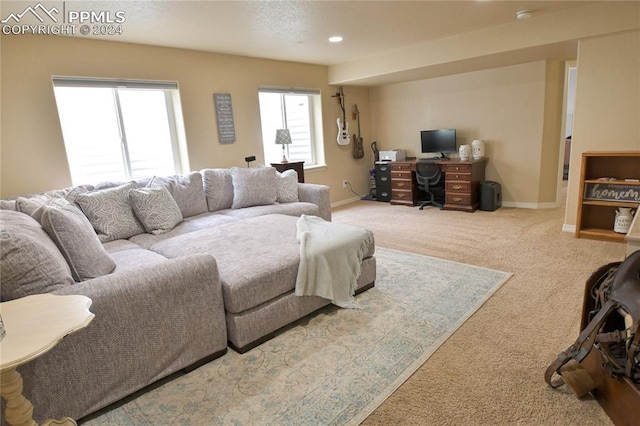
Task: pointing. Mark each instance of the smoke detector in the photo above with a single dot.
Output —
(524, 14)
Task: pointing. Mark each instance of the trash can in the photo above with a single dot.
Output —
(490, 196)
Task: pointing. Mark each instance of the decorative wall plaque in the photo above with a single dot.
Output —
(224, 113)
(612, 192)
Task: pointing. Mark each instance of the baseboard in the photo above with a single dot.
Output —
(347, 201)
(514, 204)
(569, 228)
(520, 205)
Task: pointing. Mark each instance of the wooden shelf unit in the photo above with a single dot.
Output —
(596, 217)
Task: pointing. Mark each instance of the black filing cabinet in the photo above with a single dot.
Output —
(383, 182)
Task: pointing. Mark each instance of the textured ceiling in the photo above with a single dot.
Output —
(298, 30)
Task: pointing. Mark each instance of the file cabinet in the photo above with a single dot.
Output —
(383, 182)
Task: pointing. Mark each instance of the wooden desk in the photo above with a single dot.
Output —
(34, 325)
(461, 179)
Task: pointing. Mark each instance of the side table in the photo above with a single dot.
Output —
(298, 166)
(34, 325)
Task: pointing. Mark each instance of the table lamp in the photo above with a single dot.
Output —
(283, 137)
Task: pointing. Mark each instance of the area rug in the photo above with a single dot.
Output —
(333, 368)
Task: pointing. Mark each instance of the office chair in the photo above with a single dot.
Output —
(429, 177)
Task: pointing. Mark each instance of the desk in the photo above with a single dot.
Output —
(461, 181)
(34, 325)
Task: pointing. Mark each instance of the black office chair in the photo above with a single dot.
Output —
(429, 177)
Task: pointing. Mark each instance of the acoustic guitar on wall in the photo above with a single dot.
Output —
(343, 127)
(358, 151)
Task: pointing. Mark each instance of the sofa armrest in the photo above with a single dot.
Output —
(149, 323)
(316, 194)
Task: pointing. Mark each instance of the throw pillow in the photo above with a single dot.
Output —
(110, 213)
(187, 191)
(30, 263)
(32, 205)
(72, 232)
(218, 187)
(73, 193)
(8, 205)
(287, 185)
(155, 208)
(253, 186)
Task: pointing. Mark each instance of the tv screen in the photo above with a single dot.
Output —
(440, 141)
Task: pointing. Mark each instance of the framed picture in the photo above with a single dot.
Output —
(224, 114)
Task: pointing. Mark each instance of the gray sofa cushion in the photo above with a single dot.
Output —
(187, 191)
(135, 259)
(190, 224)
(30, 262)
(120, 245)
(72, 232)
(290, 209)
(110, 212)
(253, 186)
(257, 258)
(218, 187)
(155, 208)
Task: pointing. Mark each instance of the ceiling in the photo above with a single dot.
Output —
(299, 30)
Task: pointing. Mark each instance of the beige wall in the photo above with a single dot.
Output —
(516, 109)
(507, 107)
(607, 109)
(33, 157)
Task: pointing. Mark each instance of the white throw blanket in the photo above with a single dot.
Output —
(330, 259)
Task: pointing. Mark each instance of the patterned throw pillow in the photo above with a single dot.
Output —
(253, 186)
(72, 232)
(110, 212)
(287, 186)
(30, 263)
(155, 208)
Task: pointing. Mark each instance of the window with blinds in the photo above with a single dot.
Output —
(299, 111)
(118, 130)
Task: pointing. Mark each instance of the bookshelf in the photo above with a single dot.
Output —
(608, 180)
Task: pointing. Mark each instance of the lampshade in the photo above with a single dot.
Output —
(283, 137)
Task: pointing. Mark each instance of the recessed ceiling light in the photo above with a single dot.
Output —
(524, 14)
(335, 39)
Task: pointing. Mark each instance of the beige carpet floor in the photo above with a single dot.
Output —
(490, 372)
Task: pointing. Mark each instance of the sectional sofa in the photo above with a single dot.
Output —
(177, 268)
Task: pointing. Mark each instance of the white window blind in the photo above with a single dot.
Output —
(297, 110)
(117, 130)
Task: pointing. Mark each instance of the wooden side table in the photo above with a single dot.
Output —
(34, 325)
(298, 166)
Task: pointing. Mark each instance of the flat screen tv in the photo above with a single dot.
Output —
(441, 141)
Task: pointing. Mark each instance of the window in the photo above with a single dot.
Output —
(298, 110)
(118, 130)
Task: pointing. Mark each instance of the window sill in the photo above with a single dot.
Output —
(315, 168)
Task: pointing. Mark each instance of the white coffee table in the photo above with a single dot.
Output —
(34, 325)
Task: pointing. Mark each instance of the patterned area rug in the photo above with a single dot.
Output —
(333, 368)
